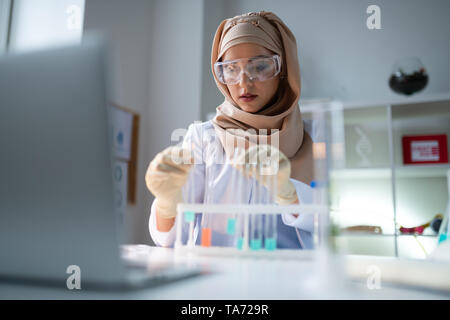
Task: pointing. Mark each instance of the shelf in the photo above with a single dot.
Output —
(373, 178)
(398, 100)
(421, 110)
(410, 171)
(358, 234)
(361, 173)
(423, 171)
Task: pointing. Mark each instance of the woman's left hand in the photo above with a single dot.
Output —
(268, 161)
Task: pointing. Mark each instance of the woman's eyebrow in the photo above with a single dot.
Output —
(252, 58)
(260, 56)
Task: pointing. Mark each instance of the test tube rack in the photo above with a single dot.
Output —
(186, 215)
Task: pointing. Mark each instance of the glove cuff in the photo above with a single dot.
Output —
(286, 194)
(167, 209)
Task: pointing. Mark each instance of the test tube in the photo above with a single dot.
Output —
(243, 219)
(206, 223)
(206, 230)
(270, 226)
(444, 230)
(240, 231)
(240, 218)
(231, 223)
(189, 216)
(245, 226)
(319, 197)
(256, 219)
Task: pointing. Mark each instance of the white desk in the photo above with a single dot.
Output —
(238, 279)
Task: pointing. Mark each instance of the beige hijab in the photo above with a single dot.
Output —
(265, 29)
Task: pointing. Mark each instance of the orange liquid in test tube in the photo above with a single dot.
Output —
(206, 237)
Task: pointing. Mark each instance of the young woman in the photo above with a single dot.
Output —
(255, 66)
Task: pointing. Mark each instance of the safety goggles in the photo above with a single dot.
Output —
(256, 69)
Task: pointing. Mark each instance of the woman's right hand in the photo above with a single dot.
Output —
(166, 175)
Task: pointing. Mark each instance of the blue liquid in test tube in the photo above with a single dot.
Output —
(231, 223)
(189, 216)
(256, 219)
(270, 239)
(270, 222)
(242, 220)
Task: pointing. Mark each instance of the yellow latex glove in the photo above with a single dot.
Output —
(269, 161)
(166, 175)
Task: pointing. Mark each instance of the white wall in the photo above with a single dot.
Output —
(340, 57)
(127, 25)
(213, 15)
(156, 59)
(4, 23)
(45, 23)
(175, 79)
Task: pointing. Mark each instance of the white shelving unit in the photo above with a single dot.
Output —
(411, 171)
(374, 187)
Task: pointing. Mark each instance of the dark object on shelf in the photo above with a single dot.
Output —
(435, 223)
(408, 76)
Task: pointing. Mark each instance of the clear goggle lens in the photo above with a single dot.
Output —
(256, 69)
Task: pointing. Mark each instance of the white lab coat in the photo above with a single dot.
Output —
(210, 181)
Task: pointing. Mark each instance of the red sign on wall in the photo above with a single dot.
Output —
(425, 149)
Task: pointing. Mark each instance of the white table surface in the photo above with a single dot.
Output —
(241, 279)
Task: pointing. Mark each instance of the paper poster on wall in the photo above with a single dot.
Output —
(120, 176)
(122, 123)
(124, 135)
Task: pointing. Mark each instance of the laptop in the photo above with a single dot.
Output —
(56, 183)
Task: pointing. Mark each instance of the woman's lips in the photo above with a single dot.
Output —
(248, 97)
